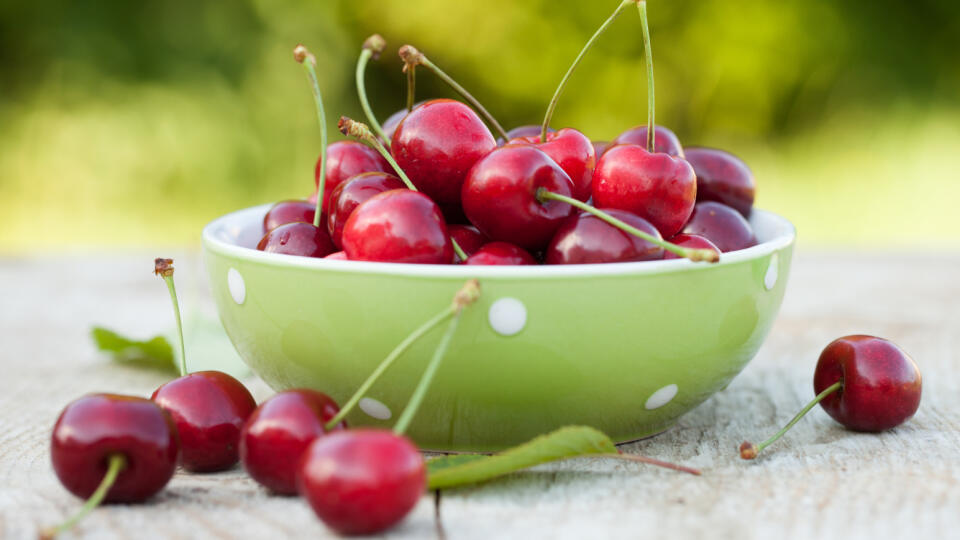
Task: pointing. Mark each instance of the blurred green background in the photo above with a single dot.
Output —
(135, 123)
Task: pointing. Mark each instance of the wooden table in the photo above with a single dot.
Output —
(820, 482)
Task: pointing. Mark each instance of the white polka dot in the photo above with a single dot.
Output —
(507, 316)
(238, 289)
(375, 408)
(770, 278)
(661, 397)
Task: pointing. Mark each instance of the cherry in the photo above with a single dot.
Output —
(392, 121)
(292, 211)
(665, 141)
(468, 237)
(573, 152)
(279, 431)
(501, 254)
(722, 177)
(722, 225)
(437, 143)
(297, 239)
(347, 196)
(346, 159)
(338, 255)
(865, 383)
(586, 239)
(398, 226)
(522, 131)
(690, 241)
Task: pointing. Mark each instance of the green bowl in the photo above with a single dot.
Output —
(626, 347)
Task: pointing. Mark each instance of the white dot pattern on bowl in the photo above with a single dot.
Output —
(375, 409)
(661, 397)
(507, 316)
(770, 278)
(238, 289)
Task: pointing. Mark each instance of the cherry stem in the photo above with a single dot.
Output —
(748, 450)
(309, 62)
(695, 255)
(652, 461)
(411, 71)
(115, 465)
(648, 56)
(551, 107)
(164, 268)
(372, 47)
(361, 132)
(412, 57)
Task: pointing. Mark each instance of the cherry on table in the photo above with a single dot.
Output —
(400, 226)
(722, 225)
(690, 241)
(344, 160)
(573, 152)
(347, 196)
(722, 177)
(500, 254)
(664, 140)
(586, 239)
(303, 239)
(291, 211)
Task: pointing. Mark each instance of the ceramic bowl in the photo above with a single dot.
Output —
(626, 347)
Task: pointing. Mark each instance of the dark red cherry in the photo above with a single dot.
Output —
(722, 177)
(399, 226)
(347, 196)
(468, 237)
(573, 152)
(437, 143)
(501, 254)
(279, 431)
(362, 481)
(297, 239)
(292, 211)
(209, 409)
(500, 196)
(691, 241)
(586, 239)
(390, 124)
(722, 225)
(664, 140)
(94, 428)
(655, 186)
(523, 131)
(346, 159)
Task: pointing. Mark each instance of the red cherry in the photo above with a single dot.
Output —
(523, 131)
(501, 254)
(94, 428)
(390, 125)
(664, 140)
(437, 143)
(209, 409)
(586, 239)
(692, 241)
(500, 196)
(362, 481)
(398, 226)
(573, 152)
(722, 177)
(468, 237)
(297, 239)
(346, 159)
(292, 211)
(655, 186)
(722, 225)
(338, 256)
(347, 196)
(279, 431)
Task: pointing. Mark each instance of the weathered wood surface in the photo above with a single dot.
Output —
(819, 482)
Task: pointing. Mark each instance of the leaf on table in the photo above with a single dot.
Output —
(566, 442)
(155, 353)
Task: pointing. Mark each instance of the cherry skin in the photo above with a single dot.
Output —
(209, 409)
(723, 177)
(523, 131)
(722, 225)
(881, 383)
(347, 196)
(297, 239)
(362, 481)
(338, 256)
(586, 239)
(93, 428)
(468, 237)
(346, 159)
(691, 241)
(279, 431)
(655, 186)
(573, 152)
(501, 254)
(437, 143)
(292, 211)
(390, 124)
(500, 196)
(664, 140)
(399, 226)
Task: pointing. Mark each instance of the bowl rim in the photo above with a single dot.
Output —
(779, 230)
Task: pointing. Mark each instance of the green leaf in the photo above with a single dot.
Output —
(566, 442)
(155, 353)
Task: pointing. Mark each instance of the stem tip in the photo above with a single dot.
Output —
(748, 450)
(467, 295)
(163, 267)
(410, 56)
(301, 54)
(375, 44)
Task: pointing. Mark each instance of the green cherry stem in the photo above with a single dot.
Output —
(576, 62)
(648, 56)
(164, 268)
(309, 62)
(695, 255)
(411, 71)
(412, 57)
(115, 465)
(361, 132)
(748, 450)
(372, 47)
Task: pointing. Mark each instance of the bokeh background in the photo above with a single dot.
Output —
(132, 124)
